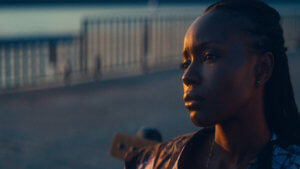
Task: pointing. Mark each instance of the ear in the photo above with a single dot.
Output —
(264, 68)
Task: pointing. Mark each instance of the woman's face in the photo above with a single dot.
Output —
(219, 76)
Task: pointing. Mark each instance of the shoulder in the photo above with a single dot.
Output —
(176, 142)
(286, 157)
(148, 156)
(140, 156)
(162, 155)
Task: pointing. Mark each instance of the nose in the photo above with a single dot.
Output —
(191, 76)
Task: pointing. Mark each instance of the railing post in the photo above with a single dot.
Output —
(7, 66)
(17, 64)
(83, 47)
(144, 60)
(25, 64)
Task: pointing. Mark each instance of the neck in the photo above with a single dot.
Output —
(244, 135)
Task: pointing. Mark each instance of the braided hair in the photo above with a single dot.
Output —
(279, 103)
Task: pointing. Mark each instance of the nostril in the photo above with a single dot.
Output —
(189, 79)
(191, 76)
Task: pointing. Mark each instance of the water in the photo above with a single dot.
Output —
(28, 21)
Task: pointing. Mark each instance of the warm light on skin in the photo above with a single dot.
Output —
(233, 104)
(230, 73)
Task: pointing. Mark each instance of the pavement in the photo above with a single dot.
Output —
(72, 127)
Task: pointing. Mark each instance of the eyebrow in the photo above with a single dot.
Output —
(198, 47)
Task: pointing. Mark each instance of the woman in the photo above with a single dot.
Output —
(237, 86)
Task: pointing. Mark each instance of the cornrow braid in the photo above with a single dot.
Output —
(281, 111)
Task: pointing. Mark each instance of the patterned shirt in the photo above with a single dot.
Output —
(167, 155)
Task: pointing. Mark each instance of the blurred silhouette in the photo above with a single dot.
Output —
(149, 133)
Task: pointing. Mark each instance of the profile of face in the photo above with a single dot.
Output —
(218, 62)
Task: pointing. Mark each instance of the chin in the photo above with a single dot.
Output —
(199, 119)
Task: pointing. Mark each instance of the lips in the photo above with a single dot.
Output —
(193, 102)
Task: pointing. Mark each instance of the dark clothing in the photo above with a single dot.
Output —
(167, 155)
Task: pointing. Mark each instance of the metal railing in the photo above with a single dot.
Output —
(139, 43)
(105, 47)
(36, 60)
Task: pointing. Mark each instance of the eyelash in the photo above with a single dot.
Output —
(211, 59)
(185, 64)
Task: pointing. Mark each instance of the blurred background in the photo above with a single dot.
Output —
(74, 72)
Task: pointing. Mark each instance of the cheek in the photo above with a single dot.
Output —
(229, 88)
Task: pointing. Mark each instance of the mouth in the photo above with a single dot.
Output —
(193, 102)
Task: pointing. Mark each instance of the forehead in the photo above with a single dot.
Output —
(217, 28)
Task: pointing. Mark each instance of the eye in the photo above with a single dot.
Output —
(185, 64)
(210, 57)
